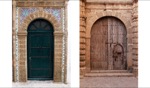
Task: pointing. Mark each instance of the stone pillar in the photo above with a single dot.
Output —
(22, 57)
(135, 37)
(82, 38)
(58, 56)
(88, 55)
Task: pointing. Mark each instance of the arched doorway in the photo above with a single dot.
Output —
(40, 50)
(108, 48)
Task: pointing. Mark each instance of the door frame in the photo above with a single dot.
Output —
(58, 46)
(88, 37)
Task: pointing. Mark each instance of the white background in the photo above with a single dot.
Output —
(144, 43)
(5, 43)
(73, 43)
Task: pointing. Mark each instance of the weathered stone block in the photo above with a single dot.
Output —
(82, 46)
(82, 52)
(82, 63)
(22, 74)
(82, 58)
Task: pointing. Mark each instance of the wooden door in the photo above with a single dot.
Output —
(99, 51)
(118, 44)
(40, 50)
(108, 44)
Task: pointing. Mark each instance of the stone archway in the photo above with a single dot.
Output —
(91, 11)
(88, 36)
(22, 42)
(99, 15)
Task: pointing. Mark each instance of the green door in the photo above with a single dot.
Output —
(40, 50)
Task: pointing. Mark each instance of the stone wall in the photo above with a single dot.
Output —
(82, 37)
(25, 12)
(135, 37)
(92, 10)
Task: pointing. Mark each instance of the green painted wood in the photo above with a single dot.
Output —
(40, 50)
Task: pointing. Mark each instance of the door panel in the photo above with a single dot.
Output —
(36, 73)
(98, 43)
(119, 38)
(106, 34)
(40, 51)
(36, 60)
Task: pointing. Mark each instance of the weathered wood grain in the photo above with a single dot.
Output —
(108, 33)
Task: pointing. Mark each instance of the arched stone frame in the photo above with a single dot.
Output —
(93, 19)
(22, 43)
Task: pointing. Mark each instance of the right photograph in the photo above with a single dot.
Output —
(109, 43)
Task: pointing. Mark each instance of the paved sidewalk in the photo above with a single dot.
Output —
(40, 84)
(109, 82)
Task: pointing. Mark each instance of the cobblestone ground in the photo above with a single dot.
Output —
(109, 82)
(40, 84)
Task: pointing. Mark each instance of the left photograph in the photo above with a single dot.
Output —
(39, 43)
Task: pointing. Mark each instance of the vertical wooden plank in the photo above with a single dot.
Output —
(98, 45)
(105, 35)
(119, 41)
(110, 40)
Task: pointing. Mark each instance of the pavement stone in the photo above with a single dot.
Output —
(109, 82)
(39, 84)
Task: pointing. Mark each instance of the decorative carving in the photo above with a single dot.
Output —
(24, 12)
(55, 12)
(24, 15)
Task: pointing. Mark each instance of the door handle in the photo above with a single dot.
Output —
(29, 58)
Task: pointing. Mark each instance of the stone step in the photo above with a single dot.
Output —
(109, 74)
(109, 71)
